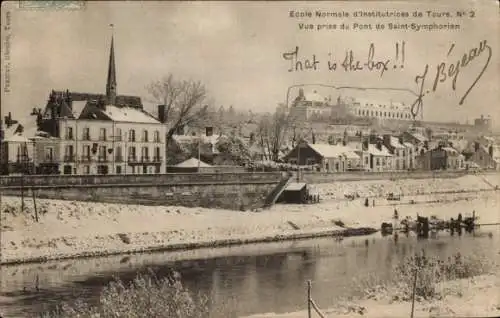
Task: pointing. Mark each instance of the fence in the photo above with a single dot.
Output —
(311, 304)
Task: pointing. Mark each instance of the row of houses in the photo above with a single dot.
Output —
(390, 153)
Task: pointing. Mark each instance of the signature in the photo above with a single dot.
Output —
(445, 72)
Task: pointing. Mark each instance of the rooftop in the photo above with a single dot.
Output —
(129, 114)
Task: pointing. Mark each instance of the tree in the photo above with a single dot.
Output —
(183, 100)
(271, 133)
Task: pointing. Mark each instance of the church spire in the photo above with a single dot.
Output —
(111, 83)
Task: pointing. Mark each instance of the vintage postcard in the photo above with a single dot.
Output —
(250, 159)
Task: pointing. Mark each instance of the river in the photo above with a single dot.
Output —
(241, 280)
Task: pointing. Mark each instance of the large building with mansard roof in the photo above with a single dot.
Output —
(99, 133)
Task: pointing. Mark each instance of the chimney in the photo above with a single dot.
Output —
(161, 114)
(400, 138)
(476, 146)
(379, 145)
(365, 145)
(209, 131)
(490, 151)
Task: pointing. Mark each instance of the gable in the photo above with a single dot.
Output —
(92, 112)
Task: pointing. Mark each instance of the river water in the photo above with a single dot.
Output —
(241, 280)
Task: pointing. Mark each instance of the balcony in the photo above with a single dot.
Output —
(145, 159)
(103, 138)
(69, 158)
(102, 159)
(85, 158)
(132, 159)
(157, 159)
(119, 159)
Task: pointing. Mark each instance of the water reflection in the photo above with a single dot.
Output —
(244, 285)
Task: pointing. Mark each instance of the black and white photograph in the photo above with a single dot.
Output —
(250, 159)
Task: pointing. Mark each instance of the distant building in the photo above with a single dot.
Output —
(483, 123)
(373, 109)
(441, 158)
(310, 106)
(100, 134)
(314, 106)
(328, 158)
(486, 156)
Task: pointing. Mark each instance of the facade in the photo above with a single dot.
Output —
(129, 142)
(441, 158)
(380, 158)
(99, 134)
(372, 109)
(486, 157)
(313, 106)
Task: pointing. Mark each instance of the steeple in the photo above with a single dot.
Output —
(111, 83)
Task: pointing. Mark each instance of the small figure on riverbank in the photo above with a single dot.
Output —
(373, 203)
(396, 216)
(367, 202)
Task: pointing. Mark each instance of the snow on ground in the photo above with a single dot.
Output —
(74, 227)
(473, 297)
(378, 188)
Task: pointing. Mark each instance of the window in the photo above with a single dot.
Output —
(86, 169)
(378, 162)
(118, 154)
(131, 135)
(145, 136)
(86, 133)
(366, 160)
(102, 169)
(144, 169)
(118, 169)
(157, 169)
(102, 153)
(145, 154)
(86, 152)
(118, 134)
(157, 154)
(156, 136)
(67, 169)
(68, 153)
(102, 134)
(49, 154)
(131, 154)
(69, 133)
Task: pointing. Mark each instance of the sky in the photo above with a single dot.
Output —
(236, 49)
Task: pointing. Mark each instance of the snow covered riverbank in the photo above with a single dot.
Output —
(71, 229)
(472, 297)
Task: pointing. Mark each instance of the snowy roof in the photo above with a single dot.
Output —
(17, 138)
(450, 150)
(372, 149)
(334, 151)
(396, 144)
(129, 114)
(419, 136)
(314, 97)
(77, 107)
(192, 163)
(295, 186)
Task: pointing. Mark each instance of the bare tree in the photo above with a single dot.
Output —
(271, 133)
(183, 100)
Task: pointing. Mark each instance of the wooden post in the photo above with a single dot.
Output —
(414, 292)
(34, 204)
(309, 299)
